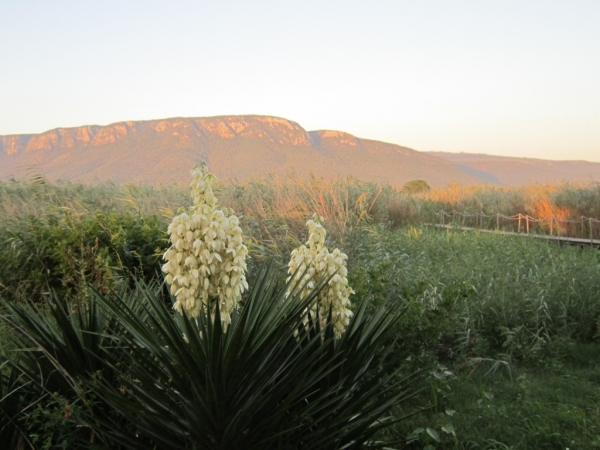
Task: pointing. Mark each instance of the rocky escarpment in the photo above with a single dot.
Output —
(235, 147)
(180, 131)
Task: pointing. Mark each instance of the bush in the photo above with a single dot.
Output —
(63, 252)
(416, 187)
(132, 374)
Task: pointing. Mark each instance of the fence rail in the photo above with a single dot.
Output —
(579, 230)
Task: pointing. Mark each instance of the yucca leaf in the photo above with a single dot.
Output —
(264, 379)
(272, 379)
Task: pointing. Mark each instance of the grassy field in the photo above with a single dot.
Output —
(507, 326)
(503, 330)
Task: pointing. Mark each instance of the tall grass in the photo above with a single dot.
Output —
(508, 328)
(482, 295)
(344, 203)
(65, 235)
(556, 208)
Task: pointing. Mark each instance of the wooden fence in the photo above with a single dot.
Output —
(582, 230)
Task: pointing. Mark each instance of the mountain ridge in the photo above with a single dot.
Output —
(517, 171)
(236, 147)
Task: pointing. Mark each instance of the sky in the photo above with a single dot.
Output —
(514, 78)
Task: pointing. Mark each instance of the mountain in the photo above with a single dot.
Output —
(513, 171)
(235, 148)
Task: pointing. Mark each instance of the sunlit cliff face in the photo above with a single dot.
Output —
(272, 129)
(339, 138)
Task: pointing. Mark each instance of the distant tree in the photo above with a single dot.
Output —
(416, 187)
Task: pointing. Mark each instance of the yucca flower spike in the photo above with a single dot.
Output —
(206, 263)
(312, 263)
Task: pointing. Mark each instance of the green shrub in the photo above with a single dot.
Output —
(64, 252)
(57, 348)
(416, 187)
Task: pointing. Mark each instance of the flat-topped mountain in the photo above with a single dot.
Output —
(235, 148)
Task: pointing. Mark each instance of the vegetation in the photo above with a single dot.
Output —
(416, 187)
(501, 331)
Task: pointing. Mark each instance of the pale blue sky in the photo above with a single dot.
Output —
(516, 78)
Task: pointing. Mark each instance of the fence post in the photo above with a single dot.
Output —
(591, 232)
(519, 227)
(527, 223)
(498, 221)
(551, 220)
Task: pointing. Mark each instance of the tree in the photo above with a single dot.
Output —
(416, 187)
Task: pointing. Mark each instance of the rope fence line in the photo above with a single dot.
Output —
(585, 227)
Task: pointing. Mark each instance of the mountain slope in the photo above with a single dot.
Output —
(512, 171)
(235, 147)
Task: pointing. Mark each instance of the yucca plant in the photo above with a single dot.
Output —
(126, 371)
(266, 382)
(12, 403)
(57, 349)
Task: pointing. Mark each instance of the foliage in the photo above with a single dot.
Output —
(129, 374)
(491, 405)
(62, 251)
(48, 231)
(416, 187)
(480, 294)
(57, 349)
(12, 402)
(508, 317)
(505, 328)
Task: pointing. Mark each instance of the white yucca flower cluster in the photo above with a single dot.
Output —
(313, 263)
(206, 262)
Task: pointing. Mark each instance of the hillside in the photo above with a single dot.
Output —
(243, 147)
(235, 147)
(511, 171)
